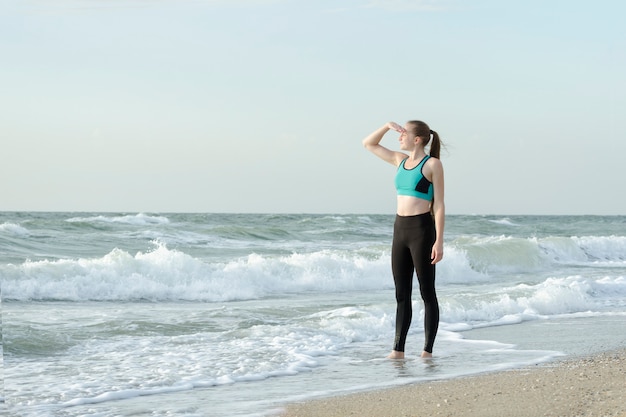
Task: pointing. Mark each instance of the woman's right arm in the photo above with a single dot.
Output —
(372, 144)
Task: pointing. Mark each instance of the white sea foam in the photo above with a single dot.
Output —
(165, 274)
(523, 302)
(298, 344)
(169, 274)
(610, 249)
(201, 359)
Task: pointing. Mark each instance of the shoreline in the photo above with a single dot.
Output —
(590, 385)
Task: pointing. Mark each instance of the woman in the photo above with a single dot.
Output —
(418, 228)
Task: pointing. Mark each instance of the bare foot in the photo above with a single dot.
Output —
(426, 355)
(396, 355)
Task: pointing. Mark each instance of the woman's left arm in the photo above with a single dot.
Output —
(439, 209)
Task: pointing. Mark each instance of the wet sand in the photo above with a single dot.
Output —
(590, 386)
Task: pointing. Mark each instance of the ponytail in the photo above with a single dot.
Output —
(435, 148)
(435, 145)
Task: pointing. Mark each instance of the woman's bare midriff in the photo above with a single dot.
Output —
(412, 206)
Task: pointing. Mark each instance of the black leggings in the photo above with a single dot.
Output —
(413, 239)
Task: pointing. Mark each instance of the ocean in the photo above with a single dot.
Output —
(171, 314)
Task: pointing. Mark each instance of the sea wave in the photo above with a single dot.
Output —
(140, 219)
(492, 254)
(171, 274)
(504, 222)
(13, 229)
(554, 296)
(168, 274)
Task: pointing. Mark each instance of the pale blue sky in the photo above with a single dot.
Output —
(261, 105)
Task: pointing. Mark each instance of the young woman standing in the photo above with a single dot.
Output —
(418, 228)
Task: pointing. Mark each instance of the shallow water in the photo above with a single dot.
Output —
(234, 315)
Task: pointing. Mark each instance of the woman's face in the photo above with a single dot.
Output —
(407, 138)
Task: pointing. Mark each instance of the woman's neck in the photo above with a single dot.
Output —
(418, 154)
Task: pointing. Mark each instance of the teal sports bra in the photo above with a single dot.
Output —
(412, 182)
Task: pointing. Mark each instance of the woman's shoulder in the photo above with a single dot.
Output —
(433, 163)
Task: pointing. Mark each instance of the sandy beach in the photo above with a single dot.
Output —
(590, 386)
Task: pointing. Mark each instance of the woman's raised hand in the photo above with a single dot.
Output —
(395, 126)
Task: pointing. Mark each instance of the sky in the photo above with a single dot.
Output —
(260, 106)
